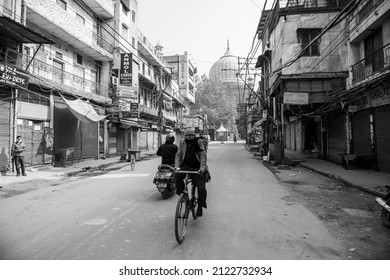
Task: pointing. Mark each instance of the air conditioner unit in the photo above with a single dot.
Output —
(115, 81)
(12, 57)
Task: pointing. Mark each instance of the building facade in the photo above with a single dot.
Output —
(73, 65)
(304, 64)
(367, 102)
(79, 80)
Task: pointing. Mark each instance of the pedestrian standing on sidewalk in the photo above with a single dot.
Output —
(17, 150)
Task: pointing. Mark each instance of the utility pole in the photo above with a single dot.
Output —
(160, 112)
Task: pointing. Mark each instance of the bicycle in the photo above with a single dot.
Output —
(188, 201)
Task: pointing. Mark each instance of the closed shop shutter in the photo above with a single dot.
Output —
(5, 136)
(112, 140)
(33, 135)
(336, 135)
(382, 130)
(143, 140)
(361, 132)
(89, 140)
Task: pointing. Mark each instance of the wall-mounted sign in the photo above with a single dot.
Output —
(127, 92)
(297, 98)
(352, 108)
(126, 70)
(12, 75)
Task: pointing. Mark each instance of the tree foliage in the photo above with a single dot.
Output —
(214, 100)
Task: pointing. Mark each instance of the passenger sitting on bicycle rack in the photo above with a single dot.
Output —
(191, 156)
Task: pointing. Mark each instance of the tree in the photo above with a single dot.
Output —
(213, 99)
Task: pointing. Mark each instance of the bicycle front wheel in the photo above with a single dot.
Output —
(181, 217)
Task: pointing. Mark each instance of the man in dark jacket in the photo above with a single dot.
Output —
(17, 150)
(167, 151)
(191, 156)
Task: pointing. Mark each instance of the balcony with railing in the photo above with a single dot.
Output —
(314, 4)
(52, 19)
(371, 65)
(49, 75)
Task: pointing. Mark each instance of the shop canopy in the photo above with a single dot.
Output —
(83, 110)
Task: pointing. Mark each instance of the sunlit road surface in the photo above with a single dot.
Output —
(121, 215)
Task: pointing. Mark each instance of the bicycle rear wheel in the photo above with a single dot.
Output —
(181, 217)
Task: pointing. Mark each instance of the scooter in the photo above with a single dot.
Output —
(385, 203)
(165, 180)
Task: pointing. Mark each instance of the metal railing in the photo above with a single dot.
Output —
(371, 65)
(47, 71)
(313, 3)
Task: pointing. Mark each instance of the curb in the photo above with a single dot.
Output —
(346, 182)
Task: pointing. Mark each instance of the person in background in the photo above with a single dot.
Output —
(168, 150)
(17, 150)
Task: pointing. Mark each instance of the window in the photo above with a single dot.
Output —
(79, 59)
(124, 31)
(133, 41)
(80, 19)
(7, 7)
(125, 10)
(62, 4)
(305, 37)
(59, 55)
(133, 15)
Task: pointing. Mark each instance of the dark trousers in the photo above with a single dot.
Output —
(199, 182)
(19, 164)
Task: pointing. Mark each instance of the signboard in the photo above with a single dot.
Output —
(13, 76)
(134, 110)
(126, 70)
(297, 98)
(127, 92)
(352, 108)
(378, 97)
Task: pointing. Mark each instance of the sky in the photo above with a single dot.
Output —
(200, 27)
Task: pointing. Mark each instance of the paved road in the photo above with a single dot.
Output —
(121, 215)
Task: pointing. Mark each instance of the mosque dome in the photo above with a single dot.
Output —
(225, 68)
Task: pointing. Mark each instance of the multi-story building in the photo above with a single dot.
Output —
(183, 72)
(367, 99)
(83, 81)
(67, 61)
(303, 63)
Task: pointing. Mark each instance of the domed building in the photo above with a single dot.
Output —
(225, 70)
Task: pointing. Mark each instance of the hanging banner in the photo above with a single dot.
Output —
(126, 70)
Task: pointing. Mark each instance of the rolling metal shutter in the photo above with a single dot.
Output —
(382, 130)
(361, 133)
(4, 134)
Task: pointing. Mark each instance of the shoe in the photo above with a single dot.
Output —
(24, 174)
(18, 174)
(199, 212)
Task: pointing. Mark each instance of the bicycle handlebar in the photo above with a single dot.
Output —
(188, 172)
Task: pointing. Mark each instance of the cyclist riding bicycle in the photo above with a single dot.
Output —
(191, 156)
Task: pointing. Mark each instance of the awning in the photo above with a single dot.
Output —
(22, 33)
(83, 111)
(127, 124)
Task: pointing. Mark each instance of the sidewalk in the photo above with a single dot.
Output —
(48, 171)
(370, 181)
